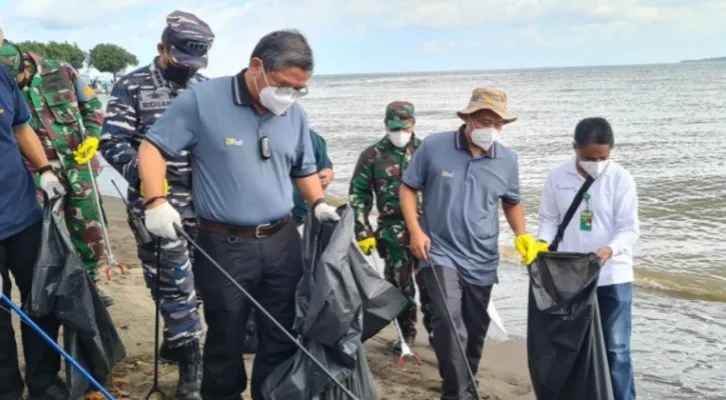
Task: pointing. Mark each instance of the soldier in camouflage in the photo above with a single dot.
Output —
(378, 172)
(137, 101)
(67, 116)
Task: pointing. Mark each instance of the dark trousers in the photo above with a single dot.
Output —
(42, 362)
(616, 305)
(468, 307)
(269, 269)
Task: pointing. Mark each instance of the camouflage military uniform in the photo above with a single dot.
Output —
(64, 111)
(378, 172)
(137, 101)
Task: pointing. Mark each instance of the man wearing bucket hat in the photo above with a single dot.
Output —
(137, 101)
(378, 172)
(464, 175)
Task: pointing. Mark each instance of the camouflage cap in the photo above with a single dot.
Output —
(189, 39)
(10, 55)
(399, 115)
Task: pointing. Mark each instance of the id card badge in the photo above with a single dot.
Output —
(586, 221)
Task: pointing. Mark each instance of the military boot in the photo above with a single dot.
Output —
(106, 298)
(189, 359)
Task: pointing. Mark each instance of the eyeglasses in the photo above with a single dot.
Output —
(292, 92)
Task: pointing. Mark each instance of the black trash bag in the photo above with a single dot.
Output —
(335, 298)
(62, 287)
(565, 344)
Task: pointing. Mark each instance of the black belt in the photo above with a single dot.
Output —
(258, 231)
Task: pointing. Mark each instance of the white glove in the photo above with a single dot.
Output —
(50, 184)
(325, 212)
(160, 221)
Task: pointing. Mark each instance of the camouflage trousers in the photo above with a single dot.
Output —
(81, 215)
(400, 271)
(178, 298)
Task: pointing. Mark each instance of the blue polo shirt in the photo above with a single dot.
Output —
(19, 208)
(461, 196)
(232, 184)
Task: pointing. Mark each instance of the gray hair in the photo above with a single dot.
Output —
(284, 49)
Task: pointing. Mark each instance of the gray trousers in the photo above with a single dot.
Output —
(468, 307)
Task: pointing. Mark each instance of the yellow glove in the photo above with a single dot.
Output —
(86, 150)
(528, 247)
(367, 245)
(166, 188)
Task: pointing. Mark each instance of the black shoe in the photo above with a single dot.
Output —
(190, 372)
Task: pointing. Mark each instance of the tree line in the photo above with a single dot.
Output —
(105, 57)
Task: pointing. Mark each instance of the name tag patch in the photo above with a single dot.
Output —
(232, 141)
(153, 100)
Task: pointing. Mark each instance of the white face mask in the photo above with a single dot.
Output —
(400, 138)
(595, 168)
(278, 99)
(484, 138)
(275, 100)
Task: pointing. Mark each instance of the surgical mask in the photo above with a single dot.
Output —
(595, 168)
(484, 138)
(399, 138)
(278, 99)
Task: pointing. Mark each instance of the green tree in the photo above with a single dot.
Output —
(107, 57)
(70, 53)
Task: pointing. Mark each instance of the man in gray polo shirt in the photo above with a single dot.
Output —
(246, 137)
(463, 174)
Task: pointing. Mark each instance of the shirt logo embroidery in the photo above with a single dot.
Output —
(2, 111)
(447, 174)
(232, 141)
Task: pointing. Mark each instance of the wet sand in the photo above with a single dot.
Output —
(503, 373)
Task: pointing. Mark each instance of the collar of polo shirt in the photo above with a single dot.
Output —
(462, 144)
(240, 93)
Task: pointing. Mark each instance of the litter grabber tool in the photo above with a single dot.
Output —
(52, 343)
(156, 392)
(406, 352)
(139, 229)
(144, 237)
(182, 233)
(110, 258)
(453, 329)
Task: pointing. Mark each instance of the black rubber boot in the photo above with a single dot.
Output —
(189, 358)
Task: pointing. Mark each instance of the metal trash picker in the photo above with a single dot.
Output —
(406, 351)
(28, 321)
(110, 258)
(144, 237)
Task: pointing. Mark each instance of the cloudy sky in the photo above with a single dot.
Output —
(372, 36)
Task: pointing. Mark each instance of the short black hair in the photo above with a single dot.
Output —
(596, 130)
(284, 49)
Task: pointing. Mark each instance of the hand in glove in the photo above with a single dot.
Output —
(367, 245)
(325, 212)
(50, 184)
(86, 150)
(160, 220)
(528, 247)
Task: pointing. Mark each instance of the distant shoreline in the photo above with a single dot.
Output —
(712, 59)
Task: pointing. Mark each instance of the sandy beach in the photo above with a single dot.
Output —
(503, 373)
